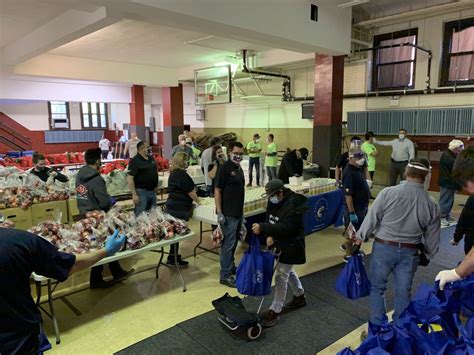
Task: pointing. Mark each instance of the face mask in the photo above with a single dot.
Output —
(274, 199)
(257, 140)
(360, 162)
(236, 158)
(41, 168)
(401, 136)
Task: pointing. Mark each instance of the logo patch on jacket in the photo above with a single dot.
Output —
(81, 190)
(273, 219)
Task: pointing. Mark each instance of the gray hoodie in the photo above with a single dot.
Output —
(91, 191)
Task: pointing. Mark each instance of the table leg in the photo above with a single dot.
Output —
(198, 245)
(200, 238)
(159, 264)
(53, 315)
(176, 262)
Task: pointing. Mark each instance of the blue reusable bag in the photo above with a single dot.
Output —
(255, 271)
(353, 282)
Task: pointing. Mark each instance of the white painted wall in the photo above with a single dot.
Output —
(31, 114)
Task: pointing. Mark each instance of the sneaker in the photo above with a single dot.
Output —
(451, 220)
(122, 276)
(270, 319)
(364, 335)
(444, 222)
(229, 282)
(343, 247)
(249, 185)
(181, 263)
(296, 302)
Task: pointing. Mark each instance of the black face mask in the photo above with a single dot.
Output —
(41, 168)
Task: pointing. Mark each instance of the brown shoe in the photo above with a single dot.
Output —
(296, 302)
(270, 319)
(364, 335)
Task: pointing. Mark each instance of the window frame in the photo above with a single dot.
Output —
(99, 114)
(376, 42)
(50, 116)
(446, 51)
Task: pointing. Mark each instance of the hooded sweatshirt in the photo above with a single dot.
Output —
(91, 191)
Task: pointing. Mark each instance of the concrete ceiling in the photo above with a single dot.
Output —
(135, 42)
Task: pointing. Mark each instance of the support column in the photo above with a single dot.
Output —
(173, 117)
(328, 94)
(137, 113)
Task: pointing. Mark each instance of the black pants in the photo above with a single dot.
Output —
(397, 169)
(181, 214)
(254, 162)
(104, 154)
(115, 269)
(372, 173)
(468, 243)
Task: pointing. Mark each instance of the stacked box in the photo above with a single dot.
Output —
(41, 212)
(21, 217)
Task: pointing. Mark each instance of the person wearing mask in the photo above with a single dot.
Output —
(104, 145)
(284, 230)
(405, 220)
(343, 160)
(131, 146)
(218, 159)
(21, 254)
(182, 147)
(194, 159)
(292, 164)
(143, 179)
(229, 195)
(271, 158)
(254, 148)
(463, 173)
(181, 196)
(403, 150)
(91, 195)
(206, 160)
(357, 194)
(371, 152)
(43, 172)
(447, 185)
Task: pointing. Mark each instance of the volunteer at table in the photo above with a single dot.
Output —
(218, 159)
(254, 148)
(283, 228)
(463, 173)
(229, 196)
(271, 158)
(43, 172)
(206, 160)
(104, 145)
(194, 159)
(143, 179)
(182, 147)
(343, 160)
(292, 164)
(92, 195)
(22, 253)
(181, 196)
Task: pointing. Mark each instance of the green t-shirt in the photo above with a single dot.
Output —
(368, 148)
(253, 145)
(271, 160)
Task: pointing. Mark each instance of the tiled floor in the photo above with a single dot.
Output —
(115, 318)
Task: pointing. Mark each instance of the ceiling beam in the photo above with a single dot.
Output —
(67, 27)
(55, 66)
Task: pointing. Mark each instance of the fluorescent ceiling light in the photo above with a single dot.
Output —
(351, 3)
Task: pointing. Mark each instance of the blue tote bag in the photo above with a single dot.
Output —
(353, 282)
(255, 271)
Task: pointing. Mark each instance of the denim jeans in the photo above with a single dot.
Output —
(230, 230)
(388, 259)
(446, 201)
(285, 276)
(271, 172)
(147, 201)
(254, 162)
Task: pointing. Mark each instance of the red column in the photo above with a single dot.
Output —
(328, 94)
(137, 112)
(173, 117)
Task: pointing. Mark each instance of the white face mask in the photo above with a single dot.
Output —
(401, 136)
(257, 140)
(360, 162)
(274, 199)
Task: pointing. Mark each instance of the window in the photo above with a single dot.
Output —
(457, 62)
(94, 115)
(58, 114)
(394, 68)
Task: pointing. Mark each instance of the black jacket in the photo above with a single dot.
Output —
(290, 166)
(91, 192)
(284, 222)
(44, 174)
(446, 163)
(465, 226)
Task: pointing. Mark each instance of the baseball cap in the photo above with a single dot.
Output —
(455, 144)
(189, 140)
(304, 153)
(273, 186)
(256, 135)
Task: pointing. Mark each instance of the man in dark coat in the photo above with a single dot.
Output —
(284, 230)
(292, 164)
(447, 185)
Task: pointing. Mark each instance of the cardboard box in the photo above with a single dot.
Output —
(72, 209)
(21, 217)
(41, 212)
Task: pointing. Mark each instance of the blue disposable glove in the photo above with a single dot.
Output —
(113, 201)
(221, 218)
(113, 243)
(353, 217)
